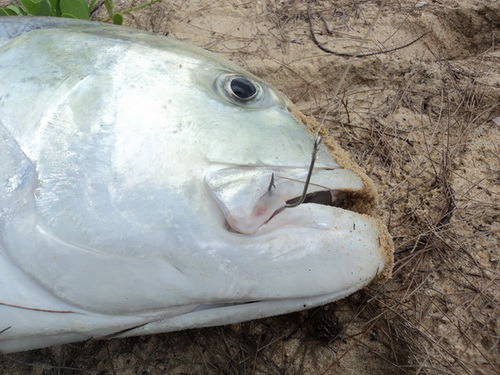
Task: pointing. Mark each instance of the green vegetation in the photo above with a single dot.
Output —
(79, 9)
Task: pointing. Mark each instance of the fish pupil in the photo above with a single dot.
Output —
(242, 88)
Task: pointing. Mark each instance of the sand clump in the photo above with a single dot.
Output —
(419, 121)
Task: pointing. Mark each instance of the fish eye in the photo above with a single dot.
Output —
(242, 88)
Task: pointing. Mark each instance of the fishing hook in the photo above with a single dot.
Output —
(317, 142)
(271, 184)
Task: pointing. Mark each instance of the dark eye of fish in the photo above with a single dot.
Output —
(243, 91)
(243, 88)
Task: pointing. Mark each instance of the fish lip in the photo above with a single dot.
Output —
(250, 198)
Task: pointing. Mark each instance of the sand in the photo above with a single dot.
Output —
(418, 117)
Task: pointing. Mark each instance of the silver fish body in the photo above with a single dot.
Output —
(136, 195)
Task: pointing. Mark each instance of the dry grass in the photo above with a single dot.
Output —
(419, 121)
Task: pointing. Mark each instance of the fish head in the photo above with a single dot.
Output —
(148, 188)
(254, 152)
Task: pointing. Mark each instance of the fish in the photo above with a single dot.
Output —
(149, 186)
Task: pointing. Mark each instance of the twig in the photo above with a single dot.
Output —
(342, 54)
(449, 209)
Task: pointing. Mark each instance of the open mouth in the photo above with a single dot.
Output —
(325, 197)
(252, 197)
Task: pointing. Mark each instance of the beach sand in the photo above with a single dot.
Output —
(418, 114)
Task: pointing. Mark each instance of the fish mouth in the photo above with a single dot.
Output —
(325, 197)
(256, 199)
(333, 198)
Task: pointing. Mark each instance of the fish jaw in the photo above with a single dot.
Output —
(346, 252)
(250, 197)
(237, 313)
(336, 250)
(345, 249)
